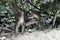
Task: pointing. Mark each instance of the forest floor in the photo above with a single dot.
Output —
(48, 34)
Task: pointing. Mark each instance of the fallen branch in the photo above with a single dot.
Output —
(5, 28)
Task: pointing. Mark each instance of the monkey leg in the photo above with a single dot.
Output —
(17, 26)
(23, 28)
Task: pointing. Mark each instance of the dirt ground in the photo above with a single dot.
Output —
(38, 35)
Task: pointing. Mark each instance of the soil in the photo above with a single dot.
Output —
(48, 34)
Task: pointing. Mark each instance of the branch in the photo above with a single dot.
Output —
(33, 5)
(54, 20)
(5, 29)
(17, 8)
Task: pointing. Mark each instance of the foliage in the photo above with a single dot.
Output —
(45, 9)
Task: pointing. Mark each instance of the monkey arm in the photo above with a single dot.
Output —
(30, 23)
